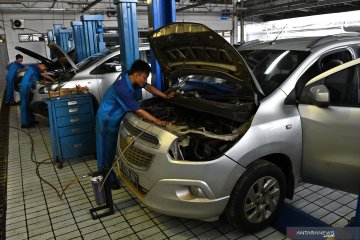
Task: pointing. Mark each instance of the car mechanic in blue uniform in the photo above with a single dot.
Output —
(118, 100)
(34, 73)
(12, 69)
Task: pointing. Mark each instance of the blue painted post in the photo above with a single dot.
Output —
(51, 38)
(67, 40)
(57, 28)
(160, 13)
(93, 26)
(78, 32)
(128, 34)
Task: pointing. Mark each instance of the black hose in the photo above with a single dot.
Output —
(46, 161)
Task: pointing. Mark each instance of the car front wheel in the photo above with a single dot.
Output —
(257, 197)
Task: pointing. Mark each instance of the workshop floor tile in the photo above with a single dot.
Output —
(36, 212)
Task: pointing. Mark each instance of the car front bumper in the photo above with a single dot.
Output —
(198, 190)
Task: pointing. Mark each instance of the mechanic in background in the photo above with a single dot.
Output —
(118, 100)
(12, 69)
(34, 73)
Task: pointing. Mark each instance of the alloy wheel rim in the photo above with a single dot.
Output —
(262, 199)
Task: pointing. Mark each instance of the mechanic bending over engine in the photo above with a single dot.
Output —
(10, 78)
(119, 99)
(34, 73)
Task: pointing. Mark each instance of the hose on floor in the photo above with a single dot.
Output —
(76, 178)
(46, 161)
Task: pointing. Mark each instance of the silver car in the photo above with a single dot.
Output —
(96, 72)
(246, 125)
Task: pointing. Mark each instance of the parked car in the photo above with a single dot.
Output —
(246, 126)
(96, 72)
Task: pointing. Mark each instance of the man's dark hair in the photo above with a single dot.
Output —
(139, 66)
(18, 56)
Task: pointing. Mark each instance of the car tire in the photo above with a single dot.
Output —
(257, 197)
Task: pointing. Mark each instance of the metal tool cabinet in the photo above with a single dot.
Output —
(72, 126)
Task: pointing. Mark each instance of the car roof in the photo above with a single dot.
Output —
(299, 44)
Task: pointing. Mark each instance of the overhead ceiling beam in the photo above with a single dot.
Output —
(200, 3)
(90, 5)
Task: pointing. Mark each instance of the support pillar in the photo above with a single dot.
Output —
(160, 13)
(242, 23)
(79, 41)
(93, 33)
(128, 34)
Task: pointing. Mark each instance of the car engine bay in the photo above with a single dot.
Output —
(202, 136)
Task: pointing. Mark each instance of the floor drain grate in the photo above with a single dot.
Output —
(4, 148)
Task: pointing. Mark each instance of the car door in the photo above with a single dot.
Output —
(106, 73)
(331, 150)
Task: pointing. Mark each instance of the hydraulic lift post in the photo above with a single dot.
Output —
(64, 37)
(128, 34)
(79, 40)
(93, 33)
(161, 13)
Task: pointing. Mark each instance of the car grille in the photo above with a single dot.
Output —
(135, 156)
(143, 136)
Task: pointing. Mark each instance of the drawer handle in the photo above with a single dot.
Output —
(72, 120)
(79, 145)
(72, 103)
(75, 129)
(71, 110)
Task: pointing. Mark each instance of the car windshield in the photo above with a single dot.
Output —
(272, 67)
(214, 88)
(92, 60)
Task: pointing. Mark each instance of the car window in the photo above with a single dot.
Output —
(343, 87)
(273, 67)
(112, 65)
(325, 62)
(87, 62)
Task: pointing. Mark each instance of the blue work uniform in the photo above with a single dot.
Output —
(12, 69)
(31, 75)
(118, 99)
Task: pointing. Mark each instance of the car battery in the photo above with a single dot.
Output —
(72, 126)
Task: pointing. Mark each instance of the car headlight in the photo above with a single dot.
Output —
(43, 90)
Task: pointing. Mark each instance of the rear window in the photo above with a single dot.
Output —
(272, 67)
(92, 60)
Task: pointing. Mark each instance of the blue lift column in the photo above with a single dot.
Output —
(161, 13)
(93, 33)
(128, 34)
(64, 37)
(79, 40)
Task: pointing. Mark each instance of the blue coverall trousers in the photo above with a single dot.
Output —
(106, 140)
(27, 117)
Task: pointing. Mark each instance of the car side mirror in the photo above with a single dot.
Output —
(320, 96)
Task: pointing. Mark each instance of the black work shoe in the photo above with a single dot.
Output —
(115, 185)
(36, 122)
(28, 126)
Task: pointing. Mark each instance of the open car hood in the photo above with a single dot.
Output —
(62, 58)
(38, 57)
(193, 48)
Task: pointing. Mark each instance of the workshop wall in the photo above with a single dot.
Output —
(41, 22)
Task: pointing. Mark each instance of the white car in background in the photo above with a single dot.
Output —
(96, 72)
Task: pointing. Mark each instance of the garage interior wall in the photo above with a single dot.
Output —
(42, 22)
